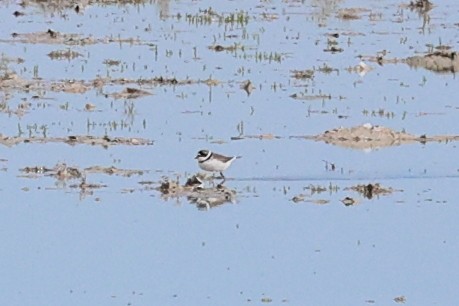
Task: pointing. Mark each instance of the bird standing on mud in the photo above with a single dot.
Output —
(213, 162)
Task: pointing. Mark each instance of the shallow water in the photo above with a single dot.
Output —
(125, 244)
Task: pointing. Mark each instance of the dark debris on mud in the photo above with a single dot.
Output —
(196, 193)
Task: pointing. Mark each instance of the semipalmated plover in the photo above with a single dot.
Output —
(213, 162)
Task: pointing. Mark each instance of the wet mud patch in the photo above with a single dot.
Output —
(352, 13)
(321, 195)
(372, 190)
(114, 171)
(443, 61)
(362, 137)
(304, 198)
(64, 55)
(220, 48)
(130, 93)
(315, 190)
(209, 16)
(62, 171)
(196, 192)
(63, 174)
(267, 136)
(104, 141)
(306, 74)
(422, 6)
(10, 81)
(247, 86)
(306, 97)
(367, 137)
(59, 172)
(52, 37)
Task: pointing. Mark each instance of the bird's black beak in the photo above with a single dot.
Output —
(197, 156)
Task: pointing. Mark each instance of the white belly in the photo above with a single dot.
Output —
(215, 165)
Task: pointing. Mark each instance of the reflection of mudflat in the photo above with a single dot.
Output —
(196, 193)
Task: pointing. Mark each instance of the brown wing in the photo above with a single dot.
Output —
(222, 157)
